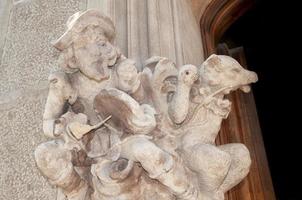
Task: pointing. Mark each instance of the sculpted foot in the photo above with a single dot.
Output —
(55, 164)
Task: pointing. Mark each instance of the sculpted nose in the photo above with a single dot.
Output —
(109, 48)
(253, 77)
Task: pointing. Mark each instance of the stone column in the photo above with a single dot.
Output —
(147, 28)
(27, 28)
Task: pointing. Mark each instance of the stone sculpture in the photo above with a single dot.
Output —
(121, 134)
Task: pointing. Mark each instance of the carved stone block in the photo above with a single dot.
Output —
(120, 133)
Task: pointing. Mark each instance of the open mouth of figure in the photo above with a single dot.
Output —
(97, 70)
(244, 88)
(112, 57)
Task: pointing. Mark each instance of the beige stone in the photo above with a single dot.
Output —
(20, 121)
(123, 133)
(144, 28)
(5, 8)
(154, 28)
(27, 57)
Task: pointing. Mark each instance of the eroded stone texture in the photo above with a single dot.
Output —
(123, 133)
(27, 59)
(5, 7)
(20, 132)
(154, 28)
(28, 56)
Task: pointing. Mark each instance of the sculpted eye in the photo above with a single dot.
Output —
(102, 44)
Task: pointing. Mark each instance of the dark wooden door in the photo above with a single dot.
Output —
(242, 124)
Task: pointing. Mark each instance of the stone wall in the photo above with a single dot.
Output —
(26, 58)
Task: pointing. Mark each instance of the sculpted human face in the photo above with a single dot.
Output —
(94, 54)
(128, 78)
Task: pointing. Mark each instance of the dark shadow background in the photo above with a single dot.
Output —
(269, 34)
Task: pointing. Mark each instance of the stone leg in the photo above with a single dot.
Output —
(55, 163)
(240, 165)
(210, 163)
(160, 165)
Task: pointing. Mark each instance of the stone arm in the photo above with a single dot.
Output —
(126, 112)
(60, 93)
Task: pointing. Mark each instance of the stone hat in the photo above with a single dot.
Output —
(79, 21)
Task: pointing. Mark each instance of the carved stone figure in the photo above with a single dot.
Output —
(120, 133)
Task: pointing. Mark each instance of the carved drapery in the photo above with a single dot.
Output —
(139, 130)
(154, 28)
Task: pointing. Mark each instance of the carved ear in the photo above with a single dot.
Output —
(53, 80)
(72, 64)
(214, 61)
(67, 61)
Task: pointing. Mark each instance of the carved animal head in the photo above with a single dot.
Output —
(188, 74)
(87, 45)
(220, 72)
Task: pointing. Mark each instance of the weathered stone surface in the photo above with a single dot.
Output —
(154, 28)
(28, 56)
(148, 28)
(5, 7)
(21, 131)
(115, 129)
(27, 59)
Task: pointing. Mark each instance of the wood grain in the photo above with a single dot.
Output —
(216, 19)
(243, 126)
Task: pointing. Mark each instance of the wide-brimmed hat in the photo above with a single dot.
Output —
(79, 21)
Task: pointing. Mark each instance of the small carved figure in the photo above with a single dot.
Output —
(128, 79)
(179, 106)
(120, 133)
(219, 75)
